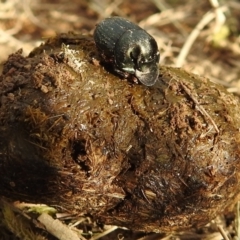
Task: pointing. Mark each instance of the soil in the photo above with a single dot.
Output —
(36, 169)
(152, 159)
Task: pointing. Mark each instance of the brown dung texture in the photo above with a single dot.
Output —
(75, 135)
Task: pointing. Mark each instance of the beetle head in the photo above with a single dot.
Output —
(136, 52)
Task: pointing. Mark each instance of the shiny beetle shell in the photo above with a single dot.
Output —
(130, 48)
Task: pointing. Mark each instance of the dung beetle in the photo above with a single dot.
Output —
(129, 48)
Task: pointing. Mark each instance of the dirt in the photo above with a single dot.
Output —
(75, 135)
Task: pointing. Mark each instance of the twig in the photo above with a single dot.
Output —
(9, 9)
(163, 6)
(220, 17)
(6, 37)
(106, 9)
(207, 18)
(223, 233)
(109, 230)
(28, 11)
(237, 221)
(200, 108)
(57, 228)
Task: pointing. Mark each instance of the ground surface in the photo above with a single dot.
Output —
(195, 35)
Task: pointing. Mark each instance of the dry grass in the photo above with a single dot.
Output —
(200, 36)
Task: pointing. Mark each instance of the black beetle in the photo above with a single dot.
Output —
(130, 48)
